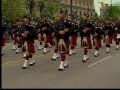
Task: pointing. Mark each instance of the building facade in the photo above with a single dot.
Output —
(79, 7)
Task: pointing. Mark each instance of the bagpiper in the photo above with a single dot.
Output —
(97, 37)
(62, 32)
(30, 46)
(56, 54)
(4, 28)
(86, 29)
(45, 27)
(108, 31)
(73, 37)
(117, 33)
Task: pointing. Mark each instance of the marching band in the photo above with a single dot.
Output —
(62, 34)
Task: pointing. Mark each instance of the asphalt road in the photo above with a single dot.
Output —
(97, 72)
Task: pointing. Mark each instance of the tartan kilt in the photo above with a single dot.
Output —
(48, 38)
(67, 46)
(21, 41)
(15, 40)
(110, 39)
(74, 40)
(113, 36)
(3, 41)
(98, 42)
(30, 47)
(89, 42)
(40, 37)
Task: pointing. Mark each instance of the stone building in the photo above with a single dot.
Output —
(79, 7)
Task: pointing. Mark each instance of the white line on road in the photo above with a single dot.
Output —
(99, 61)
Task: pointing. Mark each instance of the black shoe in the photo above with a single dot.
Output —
(32, 64)
(53, 59)
(95, 55)
(24, 67)
(39, 49)
(107, 52)
(83, 61)
(16, 52)
(44, 52)
(60, 69)
(66, 66)
(74, 53)
(116, 48)
(70, 54)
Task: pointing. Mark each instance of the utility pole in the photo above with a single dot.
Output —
(88, 9)
(71, 7)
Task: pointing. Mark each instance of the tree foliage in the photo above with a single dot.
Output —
(48, 8)
(12, 9)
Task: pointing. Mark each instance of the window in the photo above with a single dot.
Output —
(75, 1)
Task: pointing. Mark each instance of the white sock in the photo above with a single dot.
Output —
(65, 62)
(54, 56)
(108, 49)
(71, 51)
(25, 63)
(117, 46)
(61, 65)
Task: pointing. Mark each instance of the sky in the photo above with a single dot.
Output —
(97, 4)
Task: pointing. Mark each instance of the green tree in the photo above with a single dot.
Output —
(12, 9)
(48, 8)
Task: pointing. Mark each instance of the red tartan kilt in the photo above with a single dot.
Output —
(21, 41)
(115, 37)
(16, 40)
(3, 41)
(67, 46)
(110, 39)
(99, 42)
(40, 37)
(30, 47)
(49, 39)
(89, 43)
(74, 40)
